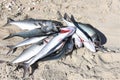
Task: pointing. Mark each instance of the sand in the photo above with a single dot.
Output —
(104, 15)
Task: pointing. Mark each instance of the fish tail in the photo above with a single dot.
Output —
(72, 18)
(10, 36)
(66, 17)
(26, 69)
(12, 49)
(8, 21)
(60, 17)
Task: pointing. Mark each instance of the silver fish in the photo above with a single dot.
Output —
(33, 33)
(25, 42)
(29, 52)
(29, 24)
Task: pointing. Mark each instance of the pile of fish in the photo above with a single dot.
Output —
(51, 40)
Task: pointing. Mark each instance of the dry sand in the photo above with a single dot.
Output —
(84, 65)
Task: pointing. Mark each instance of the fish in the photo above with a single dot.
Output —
(63, 51)
(92, 32)
(30, 24)
(49, 57)
(49, 48)
(33, 50)
(25, 42)
(77, 40)
(29, 52)
(64, 33)
(87, 41)
(33, 33)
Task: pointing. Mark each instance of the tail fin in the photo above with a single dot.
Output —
(60, 17)
(72, 19)
(8, 21)
(12, 49)
(26, 69)
(66, 17)
(10, 36)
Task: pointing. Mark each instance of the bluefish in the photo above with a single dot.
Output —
(33, 33)
(29, 24)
